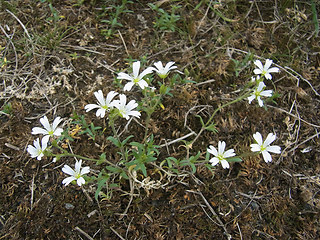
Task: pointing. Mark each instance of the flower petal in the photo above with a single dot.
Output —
(110, 96)
(169, 66)
(274, 69)
(89, 107)
(77, 166)
(255, 147)
(258, 63)
(145, 72)
(260, 102)
(58, 132)
(68, 170)
(274, 149)
(214, 161)
(266, 93)
(38, 130)
(99, 96)
(266, 156)
(135, 69)
(267, 64)
(212, 150)
(225, 164)
(45, 123)
(221, 147)
(101, 112)
(85, 170)
(229, 153)
(68, 180)
(56, 122)
(128, 86)
(159, 66)
(257, 136)
(80, 181)
(251, 98)
(142, 84)
(124, 76)
(270, 138)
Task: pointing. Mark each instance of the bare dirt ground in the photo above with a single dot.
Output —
(55, 54)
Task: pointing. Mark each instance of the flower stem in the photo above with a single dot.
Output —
(215, 112)
(66, 154)
(149, 112)
(111, 123)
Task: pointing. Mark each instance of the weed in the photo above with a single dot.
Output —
(6, 109)
(114, 12)
(166, 21)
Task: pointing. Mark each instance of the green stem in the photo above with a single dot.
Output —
(66, 154)
(215, 112)
(149, 113)
(111, 122)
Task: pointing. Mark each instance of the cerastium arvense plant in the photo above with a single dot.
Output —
(136, 160)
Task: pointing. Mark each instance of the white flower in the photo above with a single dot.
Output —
(257, 93)
(163, 71)
(255, 79)
(37, 151)
(103, 105)
(126, 110)
(135, 77)
(220, 155)
(49, 130)
(265, 70)
(264, 147)
(75, 174)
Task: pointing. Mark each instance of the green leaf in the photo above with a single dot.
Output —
(114, 141)
(100, 185)
(113, 169)
(102, 159)
(212, 128)
(126, 140)
(193, 167)
(163, 89)
(138, 145)
(142, 167)
(193, 159)
(201, 120)
(124, 175)
(234, 159)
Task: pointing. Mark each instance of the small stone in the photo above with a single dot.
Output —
(69, 206)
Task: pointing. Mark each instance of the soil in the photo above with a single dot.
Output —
(54, 56)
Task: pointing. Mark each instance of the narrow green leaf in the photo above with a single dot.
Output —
(201, 120)
(234, 159)
(114, 141)
(102, 159)
(100, 185)
(112, 169)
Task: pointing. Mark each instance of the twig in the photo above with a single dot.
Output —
(204, 16)
(178, 139)
(32, 192)
(132, 185)
(308, 139)
(239, 231)
(213, 212)
(83, 233)
(82, 49)
(14, 48)
(165, 50)
(292, 115)
(115, 232)
(263, 233)
(124, 43)
(285, 68)
(22, 25)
